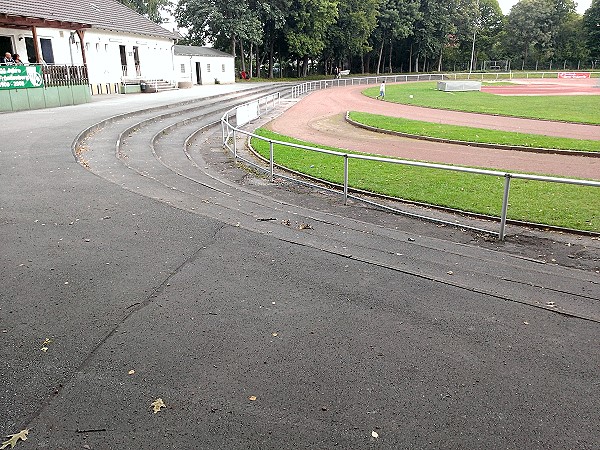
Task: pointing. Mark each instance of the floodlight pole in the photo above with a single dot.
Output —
(473, 47)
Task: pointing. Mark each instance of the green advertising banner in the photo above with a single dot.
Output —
(21, 77)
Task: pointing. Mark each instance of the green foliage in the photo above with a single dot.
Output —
(591, 25)
(307, 24)
(356, 21)
(533, 27)
(214, 20)
(374, 36)
(150, 8)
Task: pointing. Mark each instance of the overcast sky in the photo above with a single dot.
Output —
(582, 5)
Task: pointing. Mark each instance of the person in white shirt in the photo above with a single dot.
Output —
(381, 91)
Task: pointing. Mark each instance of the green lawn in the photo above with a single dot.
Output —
(546, 203)
(568, 108)
(468, 134)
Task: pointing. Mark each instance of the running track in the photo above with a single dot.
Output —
(319, 118)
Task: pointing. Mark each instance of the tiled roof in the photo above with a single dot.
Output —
(188, 50)
(101, 14)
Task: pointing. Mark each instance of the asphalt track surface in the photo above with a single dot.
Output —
(268, 316)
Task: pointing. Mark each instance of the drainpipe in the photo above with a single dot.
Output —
(173, 63)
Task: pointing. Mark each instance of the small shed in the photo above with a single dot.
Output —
(202, 65)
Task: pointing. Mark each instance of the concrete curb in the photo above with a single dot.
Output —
(473, 144)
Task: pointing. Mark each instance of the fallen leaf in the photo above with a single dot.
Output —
(131, 372)
(374, 434)
(526, 323)
(45, 345)
(305, 226)
(252, 398)
(274, 334)
(450, 272)
(157, 404)
(14, 438)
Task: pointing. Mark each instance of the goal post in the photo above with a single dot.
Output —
(496, 65)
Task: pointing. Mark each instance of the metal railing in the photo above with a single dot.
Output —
(56, 75)
(230, 134)
(309, 86)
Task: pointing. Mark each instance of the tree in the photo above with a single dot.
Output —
(436, 28)
(591, 26)
(490, 31)
(152, 9)
(395, 23)
(224, 23)
(533, 27)
(356, 21)
(272, 15)
(307, 24)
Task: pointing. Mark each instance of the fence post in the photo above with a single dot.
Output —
(507, 178)
(271, 162)
(345, 179)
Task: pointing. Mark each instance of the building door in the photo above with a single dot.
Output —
(198, 74)
(47, 53)
(6, 45)
(31, 56)
(136, 60)
(123, 60)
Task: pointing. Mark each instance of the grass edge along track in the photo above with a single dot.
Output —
(553, 204)
(472, 135)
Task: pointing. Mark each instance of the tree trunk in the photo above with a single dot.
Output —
(380, 55)
(440, 61)
(271, 59)
(390, 63)
(410, 56)
(305, 66)
(251, 58)
(242, 57)
(260, 62)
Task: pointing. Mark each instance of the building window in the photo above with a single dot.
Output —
(105, 47)
(208, 67)
(97, 47)
(183, 68)
(222, 67)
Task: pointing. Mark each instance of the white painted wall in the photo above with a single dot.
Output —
(212, 68)
(103, 53)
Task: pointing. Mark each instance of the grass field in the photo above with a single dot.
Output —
(568, 108)
(545, 203)
(468, 134)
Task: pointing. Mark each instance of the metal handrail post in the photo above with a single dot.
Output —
(507, 178)
(345, 179)
(234, 145)
(223, 130)
(271, 161)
